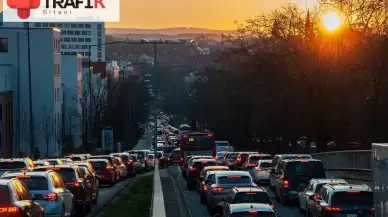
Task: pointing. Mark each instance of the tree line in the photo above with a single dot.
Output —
(281, 76)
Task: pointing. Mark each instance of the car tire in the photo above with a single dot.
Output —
(283, 199)
(301, 211)
(95, 200)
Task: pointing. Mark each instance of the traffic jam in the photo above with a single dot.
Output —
(67, 186)
(233, 183)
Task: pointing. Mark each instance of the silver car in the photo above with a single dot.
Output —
(223, 183)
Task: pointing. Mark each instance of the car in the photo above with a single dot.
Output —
(48, 189)
(41, 163)
(16, 200)
(66, 160)
(16, 164)
(136, 164)
(341, 199)
(151, 160)
(247, 209)
(242, 158)
(312, 188)
(75, 182)
(254, 158)
(75, 157)
(220, 157)
(143, 158)
(111, 162)
(204, 187)
(187, 162)
(175, 156)
(121, 168)
(260, 173)
(246, 195)
(276, 162)
(231, 159)
(222, 184)
(128, 162)
(92, 178)
(294, 174)
(105, 171)
(194, 170)
(201, 178)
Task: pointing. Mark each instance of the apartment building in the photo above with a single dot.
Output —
(44, 65)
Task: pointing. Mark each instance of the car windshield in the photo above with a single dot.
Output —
(352, 198)
(159, 155)
(232, 155)
(12, 165)
(5, 197)
(35, 183)
(252, 197)
(220, 154)
(312, 169)
(252, 214)
(234, 179)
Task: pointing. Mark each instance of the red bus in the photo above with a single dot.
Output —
(197, 143)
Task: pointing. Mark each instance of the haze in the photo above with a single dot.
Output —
(210, 14)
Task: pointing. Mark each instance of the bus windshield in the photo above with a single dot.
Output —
(199, 140)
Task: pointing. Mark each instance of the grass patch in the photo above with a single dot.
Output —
(133, 202)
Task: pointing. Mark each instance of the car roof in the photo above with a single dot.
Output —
(5, 182)
(328, 180)
(59, 166)
(104, 155)
(215, 167)
(232, 173)
(347, 187)
(294, 155)
(258, 154)
(265, 161)
(199, 156)
(250, 189)
(204, 159)
(97, 159)
(244, 207)
(31, 173)
(298, 159)
(13, 159)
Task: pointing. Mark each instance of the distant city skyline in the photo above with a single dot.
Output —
(213, 14)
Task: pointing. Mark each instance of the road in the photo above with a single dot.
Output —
(195, 208)
(107, 194)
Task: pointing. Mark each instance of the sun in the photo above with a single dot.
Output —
(332, 21)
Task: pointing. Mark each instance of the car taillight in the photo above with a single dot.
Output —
(75, 184)
(205, 188)
(192, 168)
(332, 209)
(9, 209)
(51, 197)
(181, 159)
(272, 206)
(109, 167)
(372, 209)
(129, 162)
(217, 189)
(251, 165)
(259, 169)
(285, 183)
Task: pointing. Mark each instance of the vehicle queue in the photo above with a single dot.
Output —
(67, 186)
(232, 184)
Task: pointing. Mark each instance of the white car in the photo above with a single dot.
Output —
(260, 173)
(48, 190)
(312, 188)
(151, 160)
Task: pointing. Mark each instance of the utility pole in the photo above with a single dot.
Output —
(31, 113)
(156, 110)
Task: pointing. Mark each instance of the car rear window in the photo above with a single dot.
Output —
(200, 165)
(252, 197)
(244, 157)
(263, 157)
(76, 158)
(12, 165)
(67, 174)
(234, 179)
(232, 155)
(352, 198)
(5, 197)
(296, 157)
(311, 169)
(219, 169)
(34, 183)
(106, 158)
(220, 154)
(210, 177)
(265, 164)
(222, 144)
(151, 156)
(124, 158)
(97, 165)
(53, 162)
(175, 153)
(252, 214)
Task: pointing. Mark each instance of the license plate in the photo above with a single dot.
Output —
(351, 215)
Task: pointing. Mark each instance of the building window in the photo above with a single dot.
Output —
(73, 39)
(70, 32)
(73, 53)
(44, 24)
(38, 25)
(3, 45)
(81, 40)
(63, 46)
(99, 33)
(77, 33)
(86, 33)
(99, 60)
(87, 53)
(85, 47)
(63, 32)
(73, 25)
(66, 39)
(88, 40)
(99, 54)
(88, 26)
(52, 25)
(81, 26)
(60, 25)
(99, 26)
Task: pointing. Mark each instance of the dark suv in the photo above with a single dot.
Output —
(295, 174)
(194, 171)
(76, 183)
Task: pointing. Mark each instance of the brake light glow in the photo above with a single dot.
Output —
(217, 189)
(285, 183)
(129, 162)
(304, 161)
(259, 169)
(192, 169)
(204, 162)
(51, 197)
(372, 209)
(23, 177)
(109, 167)
(23, 171)
(252, 211)
(76, 184)
(233, 177)
(353, 192)
(9, 209)
(205, 188)
(332, 209)
(272, 206)
(251, 193)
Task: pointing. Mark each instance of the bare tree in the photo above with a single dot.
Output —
(25, 128)
(46, 127)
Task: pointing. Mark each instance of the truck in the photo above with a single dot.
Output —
(380, 178)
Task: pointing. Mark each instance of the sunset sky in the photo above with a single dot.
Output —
(211, 14)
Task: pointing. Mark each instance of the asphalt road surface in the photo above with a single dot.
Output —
(196, 209)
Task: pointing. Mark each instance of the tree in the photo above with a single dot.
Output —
(24, 129)
(47, 127)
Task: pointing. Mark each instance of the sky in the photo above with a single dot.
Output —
(210, 14)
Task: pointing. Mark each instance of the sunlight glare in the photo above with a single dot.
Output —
(332, 21)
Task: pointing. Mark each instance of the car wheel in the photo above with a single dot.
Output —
(95, 200)
(283, 199)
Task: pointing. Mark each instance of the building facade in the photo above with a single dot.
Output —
(44, 66)
(72, 100)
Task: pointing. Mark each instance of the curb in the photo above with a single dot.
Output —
(181, 194)
(152, 197)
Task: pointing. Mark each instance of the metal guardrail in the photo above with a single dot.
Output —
(351, 160)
